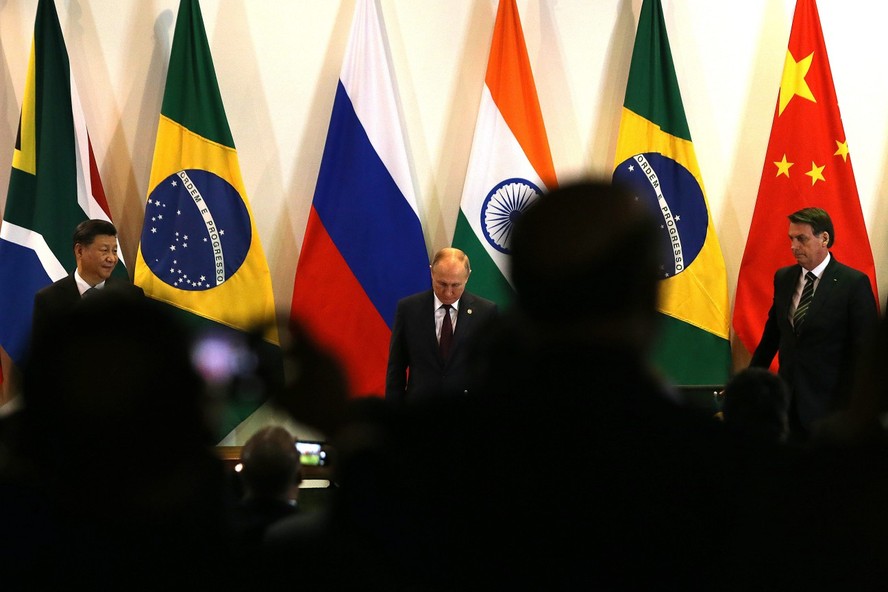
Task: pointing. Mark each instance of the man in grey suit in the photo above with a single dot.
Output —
(95, 251)
(431, 345)
(821, 314)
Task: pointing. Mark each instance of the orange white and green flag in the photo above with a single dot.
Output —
(510, 165)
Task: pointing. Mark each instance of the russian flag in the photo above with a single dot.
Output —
(364, 247)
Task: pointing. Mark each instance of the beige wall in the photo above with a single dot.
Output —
(278, 62)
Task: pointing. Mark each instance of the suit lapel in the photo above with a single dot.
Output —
(429, 328)
(463, 318)
(71, 289)
(787, 289)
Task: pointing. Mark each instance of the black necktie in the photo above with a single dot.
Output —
(91, 292)
(446, 333)
(804, 302)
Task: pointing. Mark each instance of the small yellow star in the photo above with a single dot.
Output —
(783, 166)
(816, 173)
(793, 82)
(842, 150)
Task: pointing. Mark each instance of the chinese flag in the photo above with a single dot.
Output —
(808, 164)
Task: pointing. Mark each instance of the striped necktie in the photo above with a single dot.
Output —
(804, 302)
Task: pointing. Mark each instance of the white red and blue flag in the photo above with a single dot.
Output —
(364, 247)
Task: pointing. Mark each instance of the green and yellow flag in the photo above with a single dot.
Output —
(200, 251)
(53, 186)
(655, 160)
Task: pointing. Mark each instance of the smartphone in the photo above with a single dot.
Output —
(312, 454)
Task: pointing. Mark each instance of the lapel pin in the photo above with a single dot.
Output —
(468, 311)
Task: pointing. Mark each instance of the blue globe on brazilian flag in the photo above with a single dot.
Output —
(675, 199)
(197, 232)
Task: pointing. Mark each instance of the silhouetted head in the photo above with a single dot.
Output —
(756, 403)
(114, 424)
(270, 463)
(315, 390)
(114, 376)
(585, 259)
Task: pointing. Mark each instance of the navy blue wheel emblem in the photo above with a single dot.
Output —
(675, 198)
(197, 230)
(502, 206)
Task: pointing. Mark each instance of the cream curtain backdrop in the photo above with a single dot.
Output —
(278, 62)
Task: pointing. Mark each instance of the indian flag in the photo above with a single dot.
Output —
(655, 160)
(510, 165)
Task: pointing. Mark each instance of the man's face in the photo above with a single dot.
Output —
(96, 261)
(809, 249)
(449, 279)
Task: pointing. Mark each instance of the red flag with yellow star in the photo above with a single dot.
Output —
(807, 164)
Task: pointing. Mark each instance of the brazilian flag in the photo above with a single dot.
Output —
(199, 250)
(655, 160)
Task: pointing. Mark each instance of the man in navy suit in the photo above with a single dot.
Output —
(431, 345)
(95, 251)
(818, 334)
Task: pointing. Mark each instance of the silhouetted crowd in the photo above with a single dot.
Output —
(575, 467)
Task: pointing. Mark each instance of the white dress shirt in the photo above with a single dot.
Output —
(818, 271)
(439, 316)
(82, 284)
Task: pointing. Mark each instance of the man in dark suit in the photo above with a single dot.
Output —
(821, 314)
(271, 473)
(431, 345)
(567, 389)
(95, 251)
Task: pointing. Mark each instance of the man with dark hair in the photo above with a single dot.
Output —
(755, 403)
(566, 388)
(118, 445)
(436, 496)
(271, 475)
(597, 284)
(95, 251)
(433, 334)
(821, 313)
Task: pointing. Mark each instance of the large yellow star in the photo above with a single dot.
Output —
(783, 166)
(793, 82)
(816, 173)
(842, 150)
